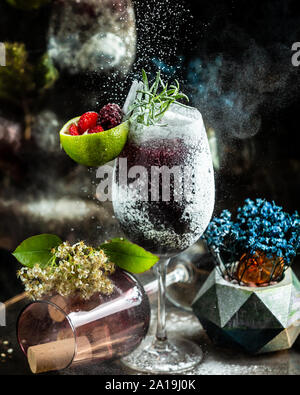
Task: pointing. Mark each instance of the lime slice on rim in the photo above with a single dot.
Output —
(94, 149)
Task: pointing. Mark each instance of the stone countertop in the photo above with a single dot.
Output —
(217, 360)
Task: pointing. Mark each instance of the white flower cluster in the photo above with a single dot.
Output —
(74, 269)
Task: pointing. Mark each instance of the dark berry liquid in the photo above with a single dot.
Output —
(163, 224)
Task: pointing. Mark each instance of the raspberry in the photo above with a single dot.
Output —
(96, 129)
(87, 121)
(73, 130)
(110, 116)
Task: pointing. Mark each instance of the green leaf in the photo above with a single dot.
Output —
(36, 250)
(156, 83)
(145, 79)
(129, 256)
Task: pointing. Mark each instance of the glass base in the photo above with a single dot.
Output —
(170, 356)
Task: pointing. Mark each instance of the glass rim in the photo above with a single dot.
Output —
(48, 302)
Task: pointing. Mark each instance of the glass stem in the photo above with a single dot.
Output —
(161, 333)
(180, 274)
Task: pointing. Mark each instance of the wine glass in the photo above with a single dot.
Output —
(163, 196)
(58, 331)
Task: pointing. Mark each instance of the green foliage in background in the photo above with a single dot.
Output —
(16, 78)
(27, 4)
(45, 73)
(20, 79)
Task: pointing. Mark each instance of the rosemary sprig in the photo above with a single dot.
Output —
(152, 102)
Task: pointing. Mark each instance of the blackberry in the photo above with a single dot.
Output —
(110, 116)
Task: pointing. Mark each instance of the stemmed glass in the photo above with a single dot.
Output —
(163, 196)
(58, 331)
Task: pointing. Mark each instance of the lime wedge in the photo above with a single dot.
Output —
(94, 149)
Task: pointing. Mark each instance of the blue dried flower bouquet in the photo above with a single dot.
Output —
(258, 246)
(251, 300)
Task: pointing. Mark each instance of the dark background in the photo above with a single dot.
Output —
(233, 59)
